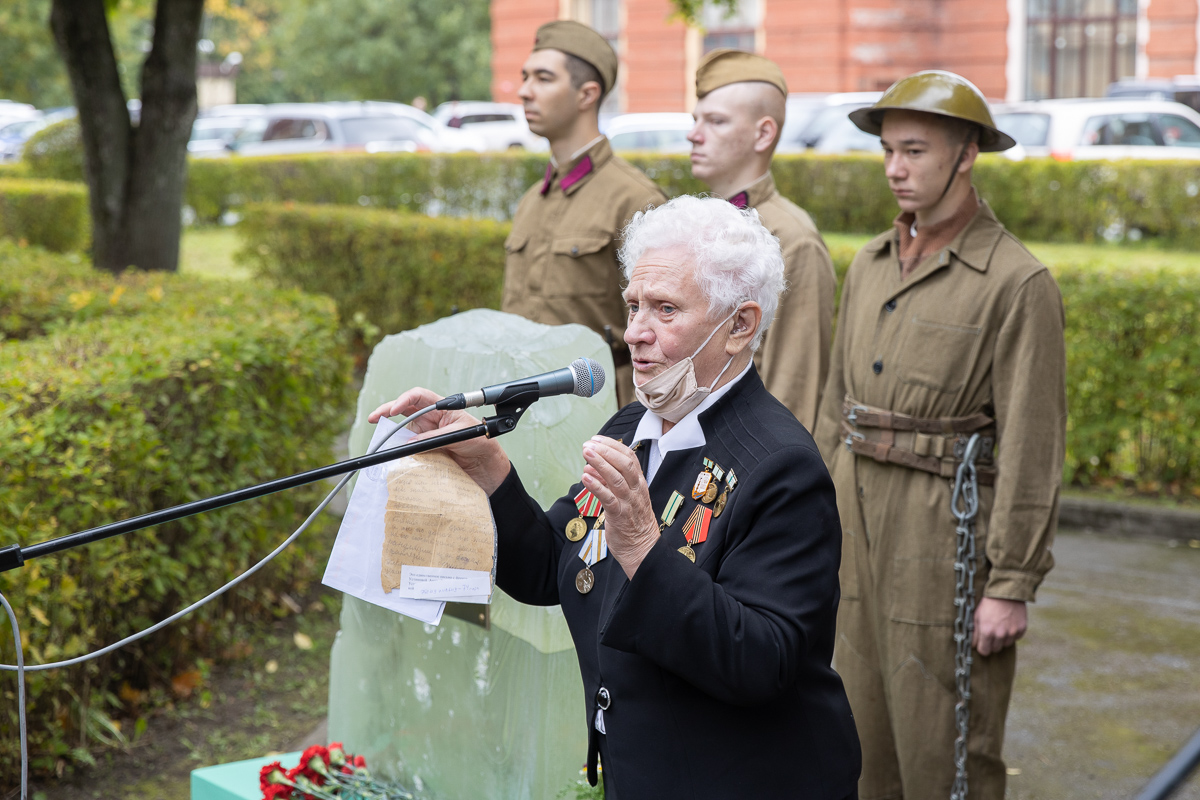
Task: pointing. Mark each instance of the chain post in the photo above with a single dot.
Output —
(964, 503)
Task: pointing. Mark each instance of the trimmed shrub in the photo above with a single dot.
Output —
(1133, 378)
(56, 152)
(1038, 199)
(201, 388)
(17, 169)
(49, 213)
(387, 271)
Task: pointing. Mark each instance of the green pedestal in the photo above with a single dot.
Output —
(235, 781)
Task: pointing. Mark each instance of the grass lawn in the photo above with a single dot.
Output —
(208, 252)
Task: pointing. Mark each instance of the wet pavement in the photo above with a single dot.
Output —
(1108, 676)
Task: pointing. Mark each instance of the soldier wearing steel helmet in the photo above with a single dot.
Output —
(949, 331)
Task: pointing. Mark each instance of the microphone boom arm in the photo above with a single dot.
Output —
(508, 414)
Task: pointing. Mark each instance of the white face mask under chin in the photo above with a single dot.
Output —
(673, 393)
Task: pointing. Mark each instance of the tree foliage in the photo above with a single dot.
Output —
(316, 50)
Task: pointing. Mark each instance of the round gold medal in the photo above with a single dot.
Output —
(689, 552)
(720, 506)
(710, 493)
(585, 580)
(576, 529)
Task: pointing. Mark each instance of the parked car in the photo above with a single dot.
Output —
(654, 133)
(1102, 129)
(11, 111)
(366, 126)
(843, 136)
(14, 134)
(502, 126)
(1182, 89)
(213, 134)
(836, 110)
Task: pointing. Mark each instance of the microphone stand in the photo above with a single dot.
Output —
(508, 413)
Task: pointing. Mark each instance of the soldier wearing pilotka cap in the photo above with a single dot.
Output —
(739, 112)
(561, 263)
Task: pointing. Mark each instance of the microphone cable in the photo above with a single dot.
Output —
(21, 668)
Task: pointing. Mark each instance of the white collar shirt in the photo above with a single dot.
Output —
(686, 433)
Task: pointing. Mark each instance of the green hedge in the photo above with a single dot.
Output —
(1039, 199)
(48, 213)
(56, 152)
(387, 271)
(15, 169)
(1134, 372)
(1133, 378)
(147, 391)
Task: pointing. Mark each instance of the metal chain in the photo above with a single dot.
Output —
(965, 505)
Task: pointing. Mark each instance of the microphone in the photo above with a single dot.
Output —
(583, 378)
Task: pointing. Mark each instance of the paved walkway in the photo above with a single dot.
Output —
(1108, 677)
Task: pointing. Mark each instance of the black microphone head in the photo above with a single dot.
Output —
(589, 377)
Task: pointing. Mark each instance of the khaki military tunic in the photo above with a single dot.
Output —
(794, 356)
(562, 264)
(976, 327)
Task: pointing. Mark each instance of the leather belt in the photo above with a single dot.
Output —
(934, 445)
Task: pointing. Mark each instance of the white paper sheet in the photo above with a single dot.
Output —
(444, 583)
(355, 563)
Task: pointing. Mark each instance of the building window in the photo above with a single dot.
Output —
(736, 30)
(1077, 47)
(604, 16)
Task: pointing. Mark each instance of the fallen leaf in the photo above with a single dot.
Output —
(302, 640)
(185, 682)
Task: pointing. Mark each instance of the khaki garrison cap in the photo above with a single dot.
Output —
(723, 67)
(577, 39)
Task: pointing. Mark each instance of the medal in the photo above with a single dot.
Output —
(585, 580)
(594, 550)
(703, 481)
(670, 510)
(689, 552)
(710, 494)
(730, 484)
(576, 529)
(695, 530)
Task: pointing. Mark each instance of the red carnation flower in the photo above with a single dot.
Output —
(359, 761)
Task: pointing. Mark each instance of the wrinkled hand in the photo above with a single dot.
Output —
(998, 624)
(614, 475)
(482, 459)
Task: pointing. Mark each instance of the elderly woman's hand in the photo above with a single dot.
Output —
(614, 475)
(482, 459)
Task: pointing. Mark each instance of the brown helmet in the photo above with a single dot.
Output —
(936, 91)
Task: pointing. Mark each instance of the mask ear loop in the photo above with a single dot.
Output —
(717, 379)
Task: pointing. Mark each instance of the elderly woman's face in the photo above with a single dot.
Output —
(669, 318)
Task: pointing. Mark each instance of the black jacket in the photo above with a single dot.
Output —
(718, 672)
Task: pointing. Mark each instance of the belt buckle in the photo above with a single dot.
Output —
(852, 417)
(851, 436)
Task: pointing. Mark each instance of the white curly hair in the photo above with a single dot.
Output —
(736, 258)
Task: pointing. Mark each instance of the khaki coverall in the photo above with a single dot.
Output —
(561, 263)
(794, 356)
(977, 327)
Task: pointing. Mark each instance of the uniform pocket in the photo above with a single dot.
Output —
(923, 591)
(581, 265)
(515, 242)
(938, 355)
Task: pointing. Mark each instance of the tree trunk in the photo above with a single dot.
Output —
(135, 175)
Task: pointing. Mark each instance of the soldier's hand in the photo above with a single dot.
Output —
(998, 624)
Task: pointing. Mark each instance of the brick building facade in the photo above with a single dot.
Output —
(1012, 49)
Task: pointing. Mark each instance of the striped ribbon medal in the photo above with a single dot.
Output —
(695, 530)
(731, 482)
(593, 551)
(589, 506)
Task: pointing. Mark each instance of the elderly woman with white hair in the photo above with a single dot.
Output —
(696, 561)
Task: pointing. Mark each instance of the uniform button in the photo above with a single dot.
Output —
(877, 367)
(603, 699)
(575, 250)
(890, 305)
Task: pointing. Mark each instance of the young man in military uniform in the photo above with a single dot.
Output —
(739, 113)
(562, 254)
(948, 327)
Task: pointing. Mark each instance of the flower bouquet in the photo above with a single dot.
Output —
(327, 773)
